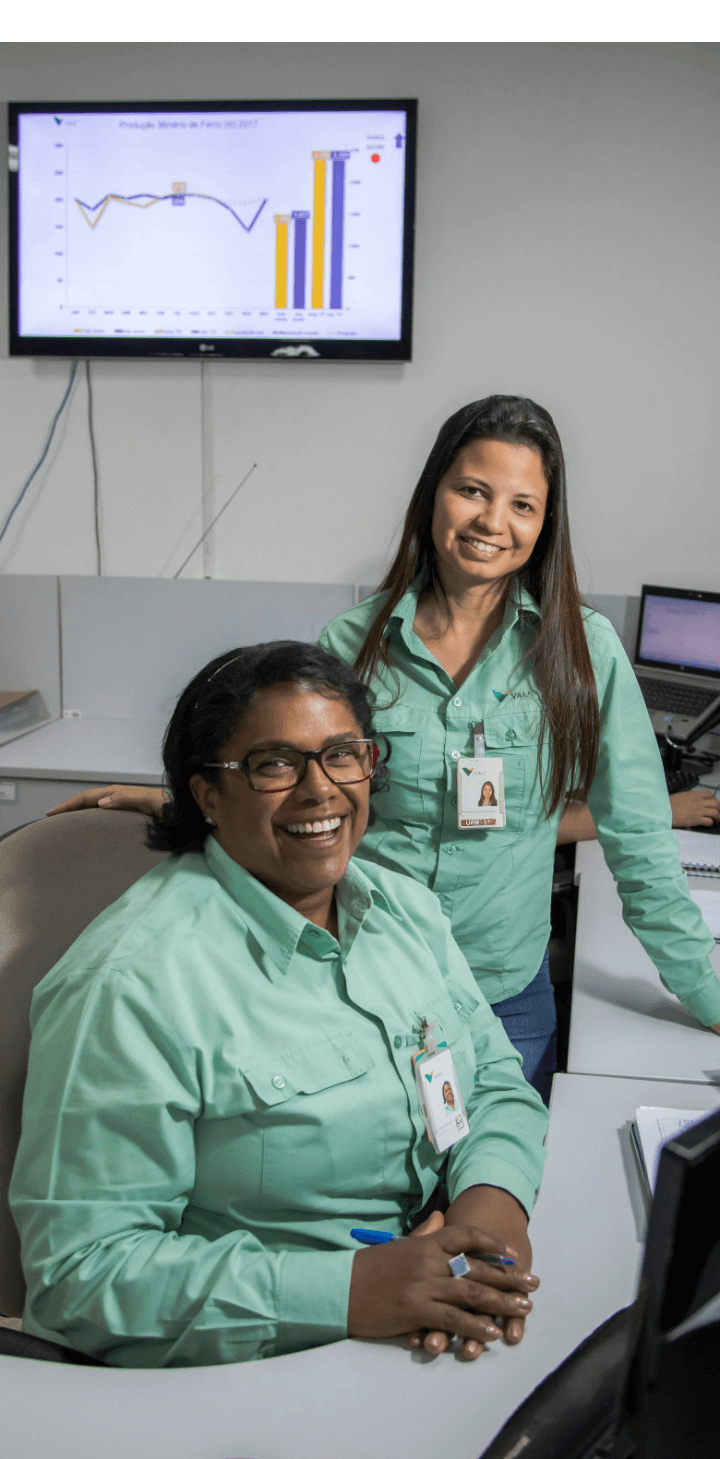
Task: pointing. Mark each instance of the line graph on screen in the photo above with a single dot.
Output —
(176, 197)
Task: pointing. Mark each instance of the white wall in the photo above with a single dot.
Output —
(567, 247)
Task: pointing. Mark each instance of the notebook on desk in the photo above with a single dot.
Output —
(677, 657)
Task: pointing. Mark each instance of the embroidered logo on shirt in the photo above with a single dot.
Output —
(501, 694)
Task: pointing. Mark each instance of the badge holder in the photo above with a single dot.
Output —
(480, 789)
(440, 1098)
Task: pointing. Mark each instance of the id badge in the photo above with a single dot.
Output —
(480, 793)
(440, 1097)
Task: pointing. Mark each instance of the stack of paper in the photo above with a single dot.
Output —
(652, 1128)
(709, 904)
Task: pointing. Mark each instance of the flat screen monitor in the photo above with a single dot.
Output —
(200, 229)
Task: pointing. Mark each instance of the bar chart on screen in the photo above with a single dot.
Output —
(267, 225)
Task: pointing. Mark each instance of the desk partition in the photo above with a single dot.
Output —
(30, 644)
(129, 646)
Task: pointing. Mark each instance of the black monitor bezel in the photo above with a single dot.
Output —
(62, 347)
(688, 595)
(668, 1279)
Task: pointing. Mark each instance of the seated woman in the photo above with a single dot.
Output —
(221, 1082)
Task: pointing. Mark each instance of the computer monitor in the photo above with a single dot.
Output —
(668, 1406)
(209, 229)
(644, 1385)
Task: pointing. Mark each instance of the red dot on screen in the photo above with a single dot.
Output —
(375, 157)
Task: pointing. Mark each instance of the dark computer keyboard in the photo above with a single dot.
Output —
(675, 698)
(676, 780)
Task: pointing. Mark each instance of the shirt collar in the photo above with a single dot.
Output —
(278, 927)
(520, 608)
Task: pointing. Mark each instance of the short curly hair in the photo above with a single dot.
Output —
(209, 709)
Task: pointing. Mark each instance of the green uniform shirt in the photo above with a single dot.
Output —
(495, 885)
(219, 1090)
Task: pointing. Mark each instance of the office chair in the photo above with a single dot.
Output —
(56, 876)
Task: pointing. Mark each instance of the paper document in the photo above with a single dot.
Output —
(699, 853)
(653, 1127)
(709, 904)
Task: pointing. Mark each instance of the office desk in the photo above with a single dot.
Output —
(623, 1021)
(357, 1400)
(57, 760)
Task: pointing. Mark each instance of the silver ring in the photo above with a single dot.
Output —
(459, 1265)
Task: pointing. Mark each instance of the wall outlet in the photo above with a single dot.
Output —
(8, 790)
(72, 714)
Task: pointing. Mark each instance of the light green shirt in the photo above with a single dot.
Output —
(218, 1091)
(495, 885)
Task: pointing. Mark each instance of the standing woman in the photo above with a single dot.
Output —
(478, 629)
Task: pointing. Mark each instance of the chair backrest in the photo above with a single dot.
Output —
(56, 875)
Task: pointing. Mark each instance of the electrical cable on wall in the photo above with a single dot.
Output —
(48, 443)
(215, 518)
(93, 451)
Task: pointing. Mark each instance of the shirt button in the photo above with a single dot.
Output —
(458, 1007)
(397, 1041)
(456, 754)
(510, 735)
(457, 702)
(451, 850)
(279, 1082)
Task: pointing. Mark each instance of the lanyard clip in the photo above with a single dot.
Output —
(428, 1037)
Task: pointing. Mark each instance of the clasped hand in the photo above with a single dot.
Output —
(406, 1287)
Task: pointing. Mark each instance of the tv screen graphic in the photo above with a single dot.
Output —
(226, 228)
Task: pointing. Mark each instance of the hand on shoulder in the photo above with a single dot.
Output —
(147, 800)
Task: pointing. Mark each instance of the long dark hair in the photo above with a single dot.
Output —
(207, 714)
(561, 660)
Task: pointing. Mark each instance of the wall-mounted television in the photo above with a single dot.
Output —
(200, 229)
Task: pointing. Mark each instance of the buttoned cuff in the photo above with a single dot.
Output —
(705, 1002)
(313, 1296)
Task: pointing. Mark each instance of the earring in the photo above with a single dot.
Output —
(210, 820)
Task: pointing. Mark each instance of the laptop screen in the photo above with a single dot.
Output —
(679, 630)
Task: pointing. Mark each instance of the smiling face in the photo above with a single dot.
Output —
(487, 793)
(488, 513)
(448, 1095)
(296, 842)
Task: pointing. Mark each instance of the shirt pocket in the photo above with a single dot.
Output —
(313, 1103)
(513, 734)
(452, 1018)
(404, 797)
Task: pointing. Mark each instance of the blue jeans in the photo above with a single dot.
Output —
(530, 1023)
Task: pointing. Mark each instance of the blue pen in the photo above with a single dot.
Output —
(378, 1238)
(371, 1238)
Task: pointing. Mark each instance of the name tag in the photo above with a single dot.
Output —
(440, 1097)
(480, 793)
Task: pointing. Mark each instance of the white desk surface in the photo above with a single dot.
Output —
(125, 750)
(623, 1021)
(352, 1400)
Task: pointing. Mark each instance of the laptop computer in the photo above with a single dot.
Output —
(677, 658)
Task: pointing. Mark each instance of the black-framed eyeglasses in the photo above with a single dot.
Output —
(346, 763)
